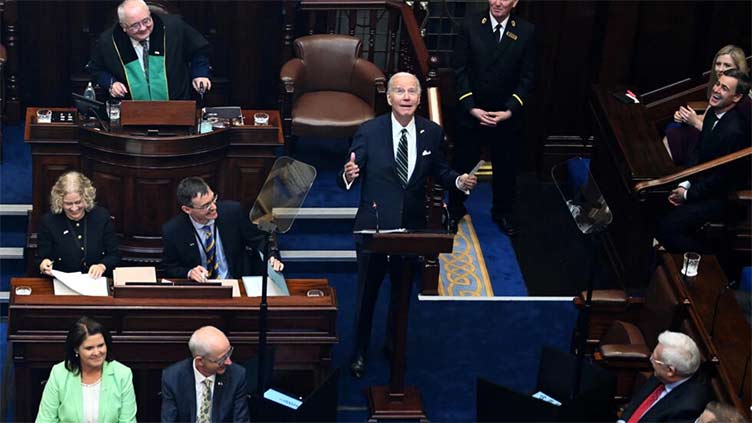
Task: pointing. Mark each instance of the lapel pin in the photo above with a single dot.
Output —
(192, 244)
(514, 23)
(65, 232)
(220, 383)
(422, 131)
(483, 21)
(512, 36)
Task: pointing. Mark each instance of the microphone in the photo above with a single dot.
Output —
(730, 285)
(375, 208)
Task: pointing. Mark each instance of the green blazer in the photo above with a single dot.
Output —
(62, 400)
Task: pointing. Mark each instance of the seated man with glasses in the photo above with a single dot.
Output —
(208, 387)
(676, 392)
(150, 57)
(210, 239)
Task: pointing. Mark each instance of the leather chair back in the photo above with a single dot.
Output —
(329, 60)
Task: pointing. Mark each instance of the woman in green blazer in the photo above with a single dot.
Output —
(88, 386)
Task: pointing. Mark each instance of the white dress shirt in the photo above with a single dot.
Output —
(494, 22)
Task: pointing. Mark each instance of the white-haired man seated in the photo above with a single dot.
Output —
(676, 391)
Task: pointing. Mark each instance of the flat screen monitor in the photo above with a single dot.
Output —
(89, 107)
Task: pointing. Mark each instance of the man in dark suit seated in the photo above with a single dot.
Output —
(208, 387)
(704, 197)
(209, 239)
(676, 391)
(393, 155)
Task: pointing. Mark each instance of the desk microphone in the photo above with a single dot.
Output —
(375, 208)
(730, 285)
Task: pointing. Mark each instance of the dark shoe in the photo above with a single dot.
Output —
(453, 225)
(358, 365)
(506, 226)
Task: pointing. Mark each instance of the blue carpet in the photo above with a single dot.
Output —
(15, 169)
(497, 340)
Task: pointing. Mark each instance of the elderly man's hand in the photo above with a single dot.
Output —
(468, 182)
(352, 170)
(117, 89)
(197, 82)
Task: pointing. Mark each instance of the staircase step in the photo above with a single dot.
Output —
(317, 212)
(317, 255)
(14, 209)
(11, 252)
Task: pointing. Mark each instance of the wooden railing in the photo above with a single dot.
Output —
(692, 171)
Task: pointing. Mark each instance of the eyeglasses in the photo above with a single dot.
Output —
(208, 205)
(402, 91)
(656, 361)
(222, 359)
(138, 25)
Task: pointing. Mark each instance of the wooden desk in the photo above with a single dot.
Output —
(722, 333)
(136, 176)
(150, 334)
(628, 150)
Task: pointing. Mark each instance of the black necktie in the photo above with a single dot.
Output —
(145, 57)
(497, 32)
(402, 158)
(711, 120)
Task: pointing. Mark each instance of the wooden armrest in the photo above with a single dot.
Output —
(638, 352)
(742, 195)
(690, 171)
(607, 296)
(698, 106)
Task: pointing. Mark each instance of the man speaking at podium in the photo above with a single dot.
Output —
(393, 155)
(150, 57)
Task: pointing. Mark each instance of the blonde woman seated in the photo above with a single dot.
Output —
(683, 135)
(76, 235)
(88, 386)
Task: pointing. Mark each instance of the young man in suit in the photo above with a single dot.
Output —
(675, 392)
(208, 387)
(392, 155)
(704, 197)
(493, 64)
(209, 239)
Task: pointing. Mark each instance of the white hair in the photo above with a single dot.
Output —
(679, 352)
(121, 8)
(389, 83)
(200, 344)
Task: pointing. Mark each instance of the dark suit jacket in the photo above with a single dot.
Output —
(229, 401)
(57, 242)
(494, 75)
(684, 403)
(374, 153)
(181, 250)
(731, 134)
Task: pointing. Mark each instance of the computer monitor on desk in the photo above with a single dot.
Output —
(90, 108)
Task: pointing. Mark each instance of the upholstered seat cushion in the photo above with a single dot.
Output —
(331, 114)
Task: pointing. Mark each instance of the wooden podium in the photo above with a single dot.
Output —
(397, 401)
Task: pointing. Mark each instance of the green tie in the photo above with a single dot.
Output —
(204, 412)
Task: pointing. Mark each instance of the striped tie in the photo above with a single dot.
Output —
(145, 47)
(402, 158)
(211, 258)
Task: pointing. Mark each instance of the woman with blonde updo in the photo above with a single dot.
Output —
(76, 235)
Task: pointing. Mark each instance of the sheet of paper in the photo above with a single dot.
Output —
(275, 286)
(79, 284)
(473, 172)
(121, 275)
(543, 397)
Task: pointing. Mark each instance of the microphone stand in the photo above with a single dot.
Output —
(717, 303)
(270, 228)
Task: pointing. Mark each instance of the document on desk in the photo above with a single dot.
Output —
(381, 231)
(79, 284)
(229, 282)
(276, 285)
